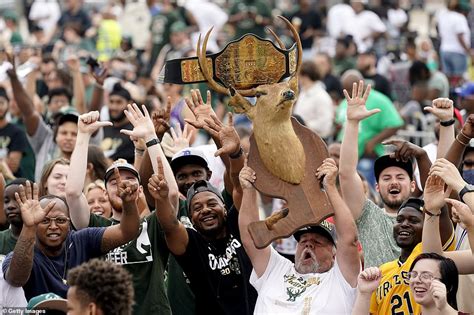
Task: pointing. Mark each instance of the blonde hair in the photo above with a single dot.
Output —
(96, 184)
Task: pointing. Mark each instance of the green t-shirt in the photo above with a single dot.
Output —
(7, 242)
(376, 235)
(375, 124)
(28, 160)
(145, 258)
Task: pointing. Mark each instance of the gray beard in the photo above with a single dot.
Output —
(304, 269)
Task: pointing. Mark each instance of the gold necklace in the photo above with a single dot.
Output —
(63, 278)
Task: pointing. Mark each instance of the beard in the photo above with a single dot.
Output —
(392, 204)
(306, 268)
(118, 118)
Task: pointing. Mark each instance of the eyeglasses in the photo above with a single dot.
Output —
(58, 220)
(424, 276)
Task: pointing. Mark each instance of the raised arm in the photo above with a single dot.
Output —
(143, 128)
(175, 233)
(87, 125)
(129, 226)
(3, 218)
(347, 253)
(32, 214)
(434, 196)
(351, 184)
(230, 150)
(462, 140)
(97, 100)
(248, 214)
(442, 108)
(30, 116)
(367, 283)
(79, 91)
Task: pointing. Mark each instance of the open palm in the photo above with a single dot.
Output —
(356, 109)
(200, 109)
(142, 123)
(31, 211)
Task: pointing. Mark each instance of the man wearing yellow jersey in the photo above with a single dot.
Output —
(393, 294)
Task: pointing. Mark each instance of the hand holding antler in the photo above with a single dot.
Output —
(200, 109)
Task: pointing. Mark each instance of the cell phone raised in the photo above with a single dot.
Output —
(95, 66)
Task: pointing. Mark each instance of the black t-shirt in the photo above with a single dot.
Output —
(310, 19)
(379, 83)
(117, 145)
(12, 139)
(219, 271)
(80, 19)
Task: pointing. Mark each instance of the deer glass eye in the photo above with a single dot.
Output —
(251, 99)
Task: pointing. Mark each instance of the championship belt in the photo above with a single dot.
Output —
(244, 63)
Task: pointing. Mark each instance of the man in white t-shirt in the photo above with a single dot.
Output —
(322, 280)
(366, 26)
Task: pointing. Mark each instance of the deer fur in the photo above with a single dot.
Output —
(280, 149)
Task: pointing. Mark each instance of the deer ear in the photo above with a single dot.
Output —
(294, 83)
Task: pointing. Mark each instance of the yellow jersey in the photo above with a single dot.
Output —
(393, 295)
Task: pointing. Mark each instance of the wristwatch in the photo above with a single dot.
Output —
(466, 189)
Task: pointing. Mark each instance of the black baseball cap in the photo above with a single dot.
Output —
(325, 228)
(66, 114)
(386, 161)
(415, 203)
(201, 186)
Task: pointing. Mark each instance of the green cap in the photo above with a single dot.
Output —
(178, 26)
(47, 301)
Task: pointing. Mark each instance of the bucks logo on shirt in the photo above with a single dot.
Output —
(295, 286)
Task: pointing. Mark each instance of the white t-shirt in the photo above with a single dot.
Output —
(339, 16)
(10, 297)
(282, 290)
(315, 106)
(46, 12)
(450, 24)
(362, 26)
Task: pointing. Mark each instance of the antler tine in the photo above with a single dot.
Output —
(201, 53)
(278, 40)
(297, 39)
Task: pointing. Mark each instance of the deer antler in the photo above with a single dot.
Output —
(277, 39)
(203, 63)
(294, 32)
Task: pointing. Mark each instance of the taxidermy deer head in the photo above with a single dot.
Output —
(280, 149)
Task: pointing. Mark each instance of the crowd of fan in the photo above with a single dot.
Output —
(110, 207)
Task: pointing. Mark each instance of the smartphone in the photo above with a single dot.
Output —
(96, 68)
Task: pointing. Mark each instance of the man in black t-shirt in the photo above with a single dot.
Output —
(116, 144)
(367, 65)
(210, 251)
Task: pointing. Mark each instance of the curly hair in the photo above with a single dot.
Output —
(106, 284)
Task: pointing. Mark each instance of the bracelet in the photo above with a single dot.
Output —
(237, 155)
(431, 214)
(466, 138)
(447, 123)
(139, 152)
(152, 142)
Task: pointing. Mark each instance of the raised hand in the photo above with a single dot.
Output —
(157, 184)
(200, 109)
(449, 173)
(228, 137)
(327, 172)
(73, 63)
(11, 71)
(369, 280)
(404, 150)
(438, 292)
(442, 108)
(468, 127)
(142, 125)
(127, 190)
(89, 122)
(434, 194)
(181, 139)
(247, 177)
(161, 119)
(461, 213)
(100, 76)
(356, 109)
(31, 211)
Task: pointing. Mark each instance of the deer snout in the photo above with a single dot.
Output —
(289, 95)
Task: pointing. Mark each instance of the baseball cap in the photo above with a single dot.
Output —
(415, 203)
(121, 164)
(47, 301)
(188, 156)
(465, 90)
(325, 228)
(386, 161)
(201, 186)
(65, 114)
